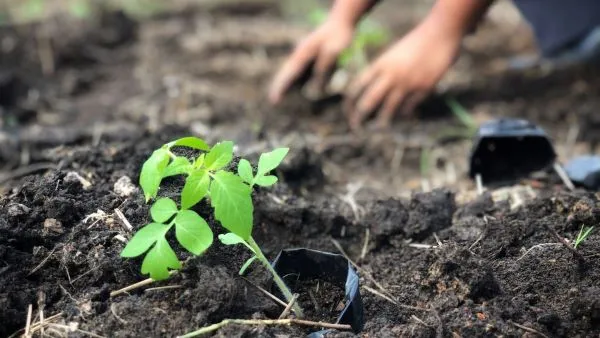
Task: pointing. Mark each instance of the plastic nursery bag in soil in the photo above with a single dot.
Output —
(508, 149)
(298, 267)
(585, 171)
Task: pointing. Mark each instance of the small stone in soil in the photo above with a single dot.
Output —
(124, 187)
(75, 177)
(52, 225)
(17, 209)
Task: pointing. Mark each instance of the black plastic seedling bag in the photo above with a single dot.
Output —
(585, 171)
(509, 149)
(313, 264)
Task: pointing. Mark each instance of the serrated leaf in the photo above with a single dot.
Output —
(266, 181)
(192, 232)
(219, 156)
(143, 239)
(247, 265)
(245, 171)
(163, 209)
(159, 260)
(231, 198)
(195, 188)
(179, 165)
(271, 160)
(191, 142)
(152, 171)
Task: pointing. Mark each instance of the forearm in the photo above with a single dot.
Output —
(458, 16)
(351, 11)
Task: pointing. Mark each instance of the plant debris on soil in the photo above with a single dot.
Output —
(85, 103)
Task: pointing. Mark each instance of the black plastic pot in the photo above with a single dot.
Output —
(585, 171)
(309, 264)
(509, 149)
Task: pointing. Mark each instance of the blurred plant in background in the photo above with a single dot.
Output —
(369, 34)
(25, 11)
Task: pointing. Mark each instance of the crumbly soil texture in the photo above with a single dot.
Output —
(85, 102)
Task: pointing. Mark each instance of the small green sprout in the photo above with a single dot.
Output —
(469, 125)
(369, 34)
(583, 234)
(207, 176)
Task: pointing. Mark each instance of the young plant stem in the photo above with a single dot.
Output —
(280, 283)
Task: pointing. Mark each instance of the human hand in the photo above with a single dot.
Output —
(402, 76)
(320, 51)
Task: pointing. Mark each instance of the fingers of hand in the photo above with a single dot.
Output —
(324, 66)
(369, 101)
(291, 70)
(356, 88)
(410, 104)
(389, 107)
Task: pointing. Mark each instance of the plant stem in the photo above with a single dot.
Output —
(280, 283)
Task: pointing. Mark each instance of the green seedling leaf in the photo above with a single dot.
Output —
(231, 198)
(192, 232)
(195, 188)
(199, 162)
(143, 239)
(317, 16)
(219, 156)
(179, 165)
(462, 114)
(152, 171)
(163, 209)
(271, 160)
(583, 234)
(232, 239)
(80, 9)
(245, 171)
(247, 265)
(191, 142)
(159, 260)
(266, 181)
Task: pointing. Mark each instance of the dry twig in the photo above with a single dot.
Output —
(528, 329)
(267, 293)
(215, 327)
(564, 242)
(288, 308)
(365, 248)
(28, 325)
(124, 220)
(23, 171)
(136, 285)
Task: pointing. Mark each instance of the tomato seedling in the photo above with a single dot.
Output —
(207, 176)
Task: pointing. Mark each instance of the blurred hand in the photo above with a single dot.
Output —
(402, 76)
(319, 50)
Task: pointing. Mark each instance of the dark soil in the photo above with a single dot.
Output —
(438, 263)
(321, 300)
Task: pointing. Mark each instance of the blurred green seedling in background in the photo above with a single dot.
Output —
(582, 235)
(369, 34)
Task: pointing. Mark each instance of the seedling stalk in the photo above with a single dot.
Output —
(280, 283)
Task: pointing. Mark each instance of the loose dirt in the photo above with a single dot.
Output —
(437, 263)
